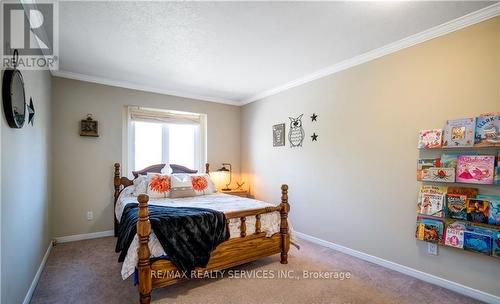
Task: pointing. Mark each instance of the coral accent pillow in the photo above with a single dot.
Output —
(158, 185)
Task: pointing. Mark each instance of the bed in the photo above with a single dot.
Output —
(257, 229)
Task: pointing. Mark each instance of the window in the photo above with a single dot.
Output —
(158, 136)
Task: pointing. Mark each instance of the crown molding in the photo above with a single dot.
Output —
(139, 87)
(437, 31)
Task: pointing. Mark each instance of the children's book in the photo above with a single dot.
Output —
(435, 174)
(449, 160)
(432, 204)
(456, 206)
(497, 175)
(478, 210)
(496, 245)
(459, 133)
(425, 163)
(429, 139)
(477, 169)
(428, 191)
(430, 230)
(470, 192)
(454, 235)
(494, 201)
(478, 241)
(487, 129)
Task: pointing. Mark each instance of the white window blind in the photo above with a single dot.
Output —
(170, 137)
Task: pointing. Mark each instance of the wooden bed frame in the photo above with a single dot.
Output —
(233, 252)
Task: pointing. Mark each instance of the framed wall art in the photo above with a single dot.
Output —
(279, 135)
(89, 127)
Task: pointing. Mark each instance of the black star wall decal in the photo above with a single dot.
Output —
(314, 137)
(314, 117)
(31, 112)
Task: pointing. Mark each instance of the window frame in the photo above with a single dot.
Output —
(128, 136)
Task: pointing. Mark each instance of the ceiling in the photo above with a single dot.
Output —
(230, 51)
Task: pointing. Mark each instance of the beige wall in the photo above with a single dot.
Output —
(25, 175)
(356, 186)
(83, 166)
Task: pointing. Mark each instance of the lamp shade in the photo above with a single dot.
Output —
(224, 175)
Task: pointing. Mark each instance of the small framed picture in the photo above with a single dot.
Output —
(279, 135)
(89, 127)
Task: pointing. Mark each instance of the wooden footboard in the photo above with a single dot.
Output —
(233, 252)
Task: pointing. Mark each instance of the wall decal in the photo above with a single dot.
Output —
(314, 137)
(314, 117)
(296, 133)
(89, 127)
(31, 112)
(279, 135)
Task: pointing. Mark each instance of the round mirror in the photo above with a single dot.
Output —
(14, 102)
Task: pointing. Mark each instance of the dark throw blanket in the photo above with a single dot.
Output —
(188, 235)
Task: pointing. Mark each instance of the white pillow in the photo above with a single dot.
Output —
(140, 185)
(158, 185)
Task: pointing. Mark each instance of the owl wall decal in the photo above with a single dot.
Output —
(296, 133)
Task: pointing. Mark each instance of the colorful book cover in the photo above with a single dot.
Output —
(497, 175)
(487, 129)
(470, 192)
(429, 230)
(477, 169)
(478, 242)
(496, 245)
(432, 204)
(456, 206)
(449, 160)
(444, 175)
(429, 139)
(454, 235)
(430, 189)
(478, 210)
(425, 163)
(494, 217)
(494, 201)
(459, 133)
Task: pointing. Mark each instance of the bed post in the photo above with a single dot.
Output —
(207, 168)
(285, 237)
(143, 232)
(117, 193)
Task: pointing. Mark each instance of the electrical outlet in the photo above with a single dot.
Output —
(432, 248)
(90, 215)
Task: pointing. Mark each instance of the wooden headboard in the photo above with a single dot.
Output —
(121, 182)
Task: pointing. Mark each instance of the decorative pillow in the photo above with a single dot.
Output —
(181, 169)
(181, 186)
(140, 185)
(202, 184)
(158, 185)
(186, 185)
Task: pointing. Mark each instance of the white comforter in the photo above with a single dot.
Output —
(221, 202)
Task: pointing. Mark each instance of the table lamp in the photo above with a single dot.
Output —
(226, 172)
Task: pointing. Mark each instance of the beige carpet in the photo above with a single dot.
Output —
(88, 272)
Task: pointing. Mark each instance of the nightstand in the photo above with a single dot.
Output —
(239, 192)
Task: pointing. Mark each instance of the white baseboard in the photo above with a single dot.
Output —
(85, 236)
(29, 294)
(456, 287)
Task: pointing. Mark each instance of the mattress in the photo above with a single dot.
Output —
(270, 222)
